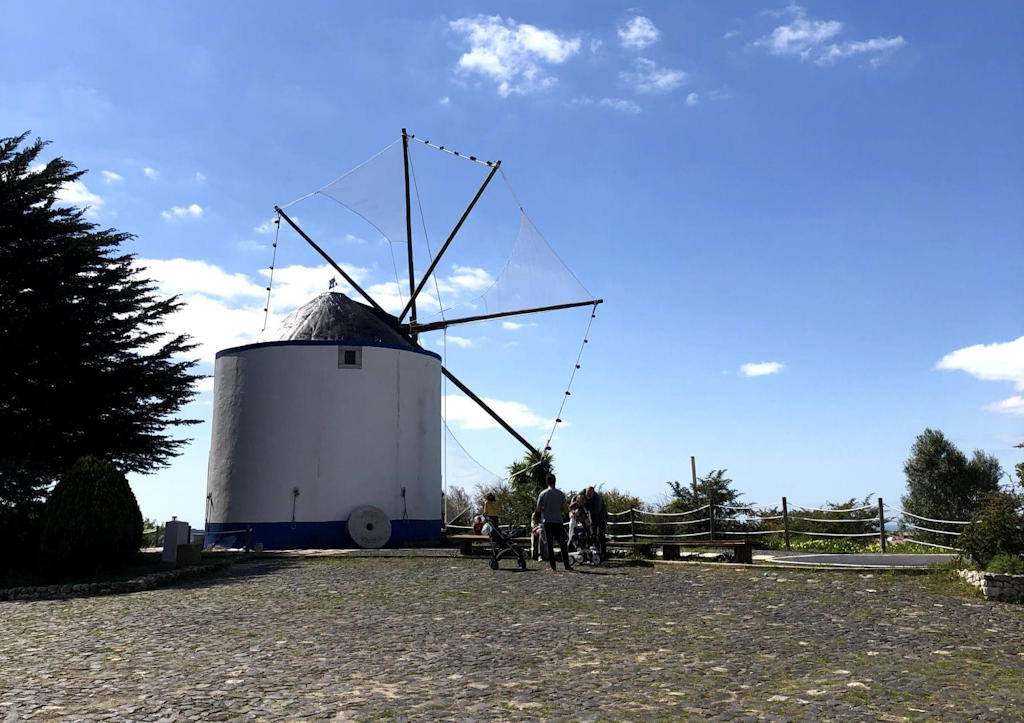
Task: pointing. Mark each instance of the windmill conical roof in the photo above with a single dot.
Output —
(332, 316)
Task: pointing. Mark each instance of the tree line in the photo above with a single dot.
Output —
(943, 483)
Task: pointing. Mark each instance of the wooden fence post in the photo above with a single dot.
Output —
(632, 524)
(711, 517)
(881, 522)
(785, 522)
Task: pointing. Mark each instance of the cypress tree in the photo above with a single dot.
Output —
(85, 367)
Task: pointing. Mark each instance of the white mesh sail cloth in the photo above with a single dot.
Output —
(376, 191)
(532, 276)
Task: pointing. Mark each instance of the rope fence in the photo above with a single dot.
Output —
(723, 522)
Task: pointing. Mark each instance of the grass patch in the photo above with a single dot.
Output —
(856, 697)
(945, 581)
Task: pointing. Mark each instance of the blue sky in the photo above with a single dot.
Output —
(806, 221)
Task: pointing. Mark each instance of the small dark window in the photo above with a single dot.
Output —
(350, 358)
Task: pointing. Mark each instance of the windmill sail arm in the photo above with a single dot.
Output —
(412, 299)
(328, 259)
(434, 326)
(494, 415)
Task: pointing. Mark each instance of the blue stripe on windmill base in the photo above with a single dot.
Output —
(314, 535)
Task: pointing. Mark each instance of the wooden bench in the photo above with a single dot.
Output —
(466, 542)
(743, 550)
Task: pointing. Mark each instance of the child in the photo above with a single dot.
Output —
(491, 508)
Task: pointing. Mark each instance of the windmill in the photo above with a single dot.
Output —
(329, 435)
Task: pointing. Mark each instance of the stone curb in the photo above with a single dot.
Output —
(146, 582)
(996, 586)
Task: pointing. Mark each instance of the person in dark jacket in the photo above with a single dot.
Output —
(599, 518)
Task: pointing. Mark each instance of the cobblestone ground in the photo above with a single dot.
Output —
(434, 638)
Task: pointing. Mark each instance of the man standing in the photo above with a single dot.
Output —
(599, 517)
(551, 506)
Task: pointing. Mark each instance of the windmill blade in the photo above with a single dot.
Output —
(494, 415)
(437, 259)
(311, 242)
(434, 326)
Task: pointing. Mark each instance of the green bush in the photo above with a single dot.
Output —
(831, 545)
(997, 529)
(836, 545)
(1006, 565)
(152, 533)
(91, 520)
(20, 530)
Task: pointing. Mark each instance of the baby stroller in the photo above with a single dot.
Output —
(583, 548)
(502, 543)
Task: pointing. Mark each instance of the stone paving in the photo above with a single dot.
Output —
(447, 639)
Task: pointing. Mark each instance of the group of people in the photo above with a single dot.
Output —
(587, 511)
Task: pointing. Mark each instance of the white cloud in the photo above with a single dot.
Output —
(1013, 405)
(620, 104)
(203, 385)
(151, 173)
(692, 99)
(250, 245)
(295, 285)
(1000, 361)
(445, 101)
(761, 369)
(638, 33)
(75, 193)
(459, 341)
(648, 77)
(112, 177)
(220, 310)
(178, 212)
(801, 36)
(225, 309)
(352, 239)
(186, 276)
(469, 415)
(517, 325)
(214, 325)
(806, 38)
(200, 177)
(881, 47)
(269, 226)
(467, 278)
(512, 54)
(729, 35)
